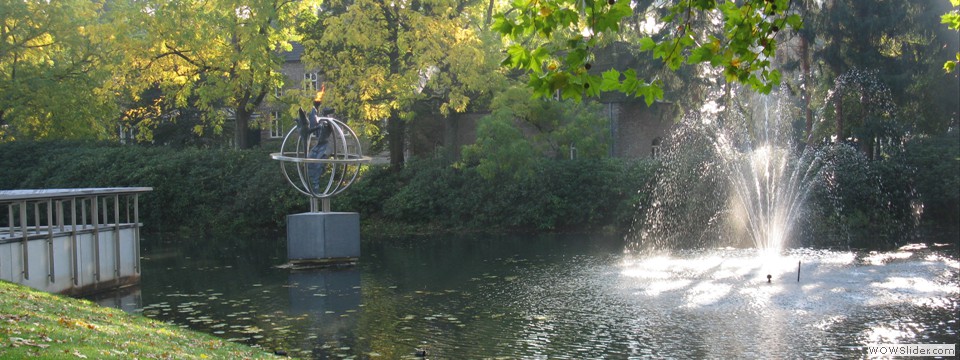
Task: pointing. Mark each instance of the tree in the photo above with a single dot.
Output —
(522, 129)
(554, 41)
(896, 38)
(165, 124)
(380, 58)
(214, 54)
(57, 65)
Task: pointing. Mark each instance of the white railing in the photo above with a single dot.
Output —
(48, 214)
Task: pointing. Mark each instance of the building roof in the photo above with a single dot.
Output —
(295, 53)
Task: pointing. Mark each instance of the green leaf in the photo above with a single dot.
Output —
(700, 54)
(647, 44)
(631, 84)
(795, 21)
(502, 25)
(951, 19)
(730, 12)
(537, 57)
(592, 84)
(774, 77)
(519, 56)
(571, 92)
(650, 93)
(611, 80)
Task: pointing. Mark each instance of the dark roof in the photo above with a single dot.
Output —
(295, 53)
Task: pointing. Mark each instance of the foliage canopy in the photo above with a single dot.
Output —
(213, 54)
(57, 60)
(554, 40)
(379, 59)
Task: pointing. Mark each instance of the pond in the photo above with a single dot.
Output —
(569, 296)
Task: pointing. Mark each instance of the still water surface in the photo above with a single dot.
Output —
(557, 297)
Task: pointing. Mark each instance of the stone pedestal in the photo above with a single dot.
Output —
(323, 237)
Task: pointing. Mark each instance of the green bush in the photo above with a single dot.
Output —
(243, 190)
(561, 195)
(859, 202)
(937, 179)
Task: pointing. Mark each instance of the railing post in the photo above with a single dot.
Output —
(50, 269)
(105, 219)
(136, 232)
(116, 236)
(73, 241)
(10, 223)
(23, 243)
(60, 214)
(36, 217)
(94, 213)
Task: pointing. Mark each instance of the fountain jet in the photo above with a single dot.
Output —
(739, 182)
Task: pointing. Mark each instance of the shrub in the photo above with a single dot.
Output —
(859, 202)
(937, 160)
(559, 195)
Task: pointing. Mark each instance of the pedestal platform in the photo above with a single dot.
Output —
(323, 238)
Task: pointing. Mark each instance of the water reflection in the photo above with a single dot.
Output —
(564, 297)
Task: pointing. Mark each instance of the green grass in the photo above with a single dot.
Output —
(39, 324)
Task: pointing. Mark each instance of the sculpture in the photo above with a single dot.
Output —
(321, 237)
(335, 153)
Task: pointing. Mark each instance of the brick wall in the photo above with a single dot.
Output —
(635, 127)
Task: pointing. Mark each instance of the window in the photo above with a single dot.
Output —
(126, 134)
(310, 82)
(276, 125)
(655, 148)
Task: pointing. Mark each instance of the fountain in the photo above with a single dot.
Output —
(729, 182)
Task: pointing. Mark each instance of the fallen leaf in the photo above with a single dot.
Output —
(17, 342)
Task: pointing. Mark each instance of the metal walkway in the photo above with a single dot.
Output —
(71, 240)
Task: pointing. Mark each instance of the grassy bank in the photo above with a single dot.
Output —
(38, 324)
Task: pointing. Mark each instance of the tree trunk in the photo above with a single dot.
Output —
(805, 66)
(451, 127)
(241, 131)
(247, 101)
(489, 17)
(396, 136)
(242, 123)
(836, 66)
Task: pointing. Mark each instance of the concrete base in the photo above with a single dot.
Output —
(332, 237)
